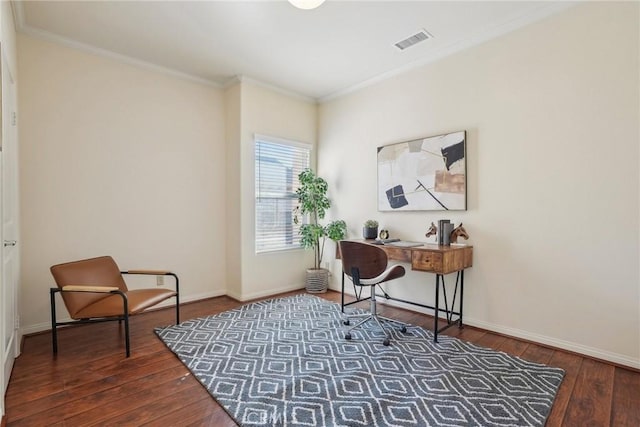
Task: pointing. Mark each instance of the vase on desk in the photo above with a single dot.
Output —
(369, 232)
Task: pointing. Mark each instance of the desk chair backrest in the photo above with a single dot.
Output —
(101, 271)
(370, 260)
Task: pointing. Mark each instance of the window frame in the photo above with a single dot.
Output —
(266, 139)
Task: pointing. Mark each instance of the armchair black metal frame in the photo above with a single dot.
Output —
(156, 296)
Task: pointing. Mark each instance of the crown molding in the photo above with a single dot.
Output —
(544, 11)
(240, 78)
(73, 44)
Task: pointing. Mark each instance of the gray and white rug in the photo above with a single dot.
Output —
(285, 362)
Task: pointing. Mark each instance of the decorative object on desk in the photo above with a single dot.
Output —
(441, 232)
(288, 365)
(447, 228)
(370, 229)
(423, 174)
(459, 231)
(432, 230)
(384, 234)
(313, 203)
(403, 243)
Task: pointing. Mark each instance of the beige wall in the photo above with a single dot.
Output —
(233, 228)
(121, 161)
(268, 112)
(158, 172)
(9, 37)
(552, 118)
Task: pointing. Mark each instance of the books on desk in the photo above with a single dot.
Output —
(405, 244)
(397, 242)
(384, 241)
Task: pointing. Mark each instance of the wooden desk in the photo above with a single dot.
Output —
(439, 260)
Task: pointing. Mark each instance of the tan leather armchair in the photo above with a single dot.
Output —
(93, 290)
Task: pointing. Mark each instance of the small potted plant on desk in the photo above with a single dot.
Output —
(370, 229)
(313, 201)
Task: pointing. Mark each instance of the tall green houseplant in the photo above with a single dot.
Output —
(313, 201)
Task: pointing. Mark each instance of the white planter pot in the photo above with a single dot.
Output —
(317, 280)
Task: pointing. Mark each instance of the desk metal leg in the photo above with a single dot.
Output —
(342, 304)
(461, 297)
(437, 311)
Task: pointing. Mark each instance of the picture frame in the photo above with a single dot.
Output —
(426, 174)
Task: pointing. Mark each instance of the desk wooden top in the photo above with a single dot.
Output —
(430, 257)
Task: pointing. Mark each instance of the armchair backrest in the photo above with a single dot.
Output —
(101, 271)
(370, 260)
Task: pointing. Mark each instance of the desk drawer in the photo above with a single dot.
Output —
(426, 261)
(442, 261)
(398, 254)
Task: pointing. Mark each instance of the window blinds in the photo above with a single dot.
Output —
(277, 165)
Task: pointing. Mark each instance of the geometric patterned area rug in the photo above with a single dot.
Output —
(285, 362)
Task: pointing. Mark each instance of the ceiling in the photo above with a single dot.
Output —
(319, 54)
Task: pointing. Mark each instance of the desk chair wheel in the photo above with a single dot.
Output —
(386, 342)
(346, 322)
(347, 336)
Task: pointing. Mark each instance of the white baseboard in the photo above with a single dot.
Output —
(525, 335)
(46, 326)
(265, 293)
(554, 342)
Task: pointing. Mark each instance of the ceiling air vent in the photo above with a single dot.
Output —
(418, 37)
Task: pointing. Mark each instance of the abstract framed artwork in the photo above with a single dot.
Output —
(424, 174)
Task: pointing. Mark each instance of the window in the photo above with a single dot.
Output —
(278, 163)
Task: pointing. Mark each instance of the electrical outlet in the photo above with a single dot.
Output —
(160, 280)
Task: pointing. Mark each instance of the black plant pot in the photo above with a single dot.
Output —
(369, 233)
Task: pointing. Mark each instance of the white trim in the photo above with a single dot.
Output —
(554, 342)
(18, 14)
(282, 141)
(547, 9)
(266, 293)
(292, 94)
(274, 141)
(597, 353)
(54, 38)
(46, 326)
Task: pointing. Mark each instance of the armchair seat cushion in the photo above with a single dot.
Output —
(93, 290)
(138, 300)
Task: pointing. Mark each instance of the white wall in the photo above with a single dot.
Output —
(9, 67)
(268, 112)
(158, 172)
(9, 36)
(117, 160)
(233, 122)
(552, 118)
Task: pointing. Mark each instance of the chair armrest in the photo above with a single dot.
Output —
(156, 273)
(150, 272)
(88, 288)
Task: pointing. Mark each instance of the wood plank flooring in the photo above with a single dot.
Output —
(90, 382)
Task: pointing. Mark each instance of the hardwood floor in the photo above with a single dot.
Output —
(92, 383)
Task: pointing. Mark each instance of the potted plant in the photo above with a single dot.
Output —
(370, 229)
(313, 202)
